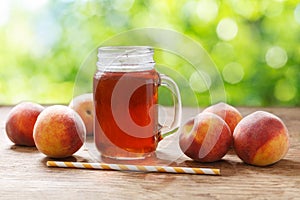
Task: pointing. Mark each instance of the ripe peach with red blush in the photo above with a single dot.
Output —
(227, 112)
(59, 131)
(20, 122)
(261, 139)
(83, 105)
(205, 138)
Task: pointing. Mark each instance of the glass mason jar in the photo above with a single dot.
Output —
(125, 92)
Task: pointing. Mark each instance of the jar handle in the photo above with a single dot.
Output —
(171, 128)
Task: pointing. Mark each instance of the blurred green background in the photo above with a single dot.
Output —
(253, 43)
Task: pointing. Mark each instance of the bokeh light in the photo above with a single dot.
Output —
(276, 57)
(207, 10)
(200, 81)
(227, 29)
(224, 51)
(233, 73)
(244, 8)
(297, 14)
(273, 9)
(285, 90)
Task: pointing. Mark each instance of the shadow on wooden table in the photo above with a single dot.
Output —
(24, 149)
(74, 158)
(284, 167)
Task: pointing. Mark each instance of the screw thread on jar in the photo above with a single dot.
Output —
(125, 58)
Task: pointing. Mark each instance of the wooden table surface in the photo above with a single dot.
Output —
(24, 174)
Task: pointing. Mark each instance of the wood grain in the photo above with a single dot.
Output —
(24, 174)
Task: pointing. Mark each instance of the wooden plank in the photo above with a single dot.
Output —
(23, 173)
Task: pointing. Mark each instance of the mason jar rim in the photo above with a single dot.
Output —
(124, 50)
(125, 58)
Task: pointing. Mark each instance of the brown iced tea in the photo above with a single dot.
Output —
(126, 113)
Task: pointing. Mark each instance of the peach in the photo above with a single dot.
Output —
(261, 139)
(227, 112)
(205, 138)
(83, 105)
(20, 123)
(59, 131)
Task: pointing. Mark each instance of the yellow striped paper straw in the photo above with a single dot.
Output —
(136, 168)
